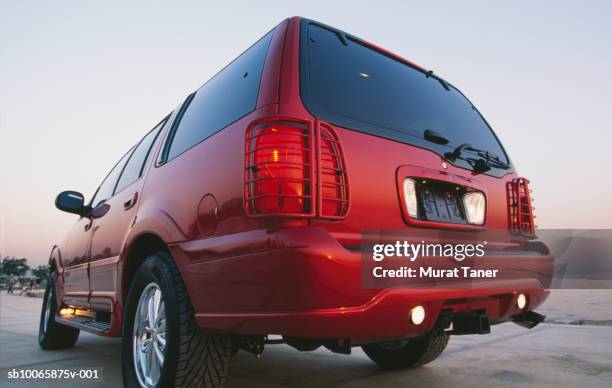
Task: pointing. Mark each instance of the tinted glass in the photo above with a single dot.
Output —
(225, 98)
(106, 189)
(355, 86)
(134, 167)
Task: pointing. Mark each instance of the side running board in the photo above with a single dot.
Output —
(83, 323)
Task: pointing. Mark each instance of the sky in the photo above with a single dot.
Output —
(81, 81)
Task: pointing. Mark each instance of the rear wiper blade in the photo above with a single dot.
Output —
(482, 164)
(444, 84)
(492, 159)
(341, 37)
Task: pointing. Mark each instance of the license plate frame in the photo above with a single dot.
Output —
(441, 202)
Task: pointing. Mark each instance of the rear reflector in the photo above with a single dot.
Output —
(278, 178)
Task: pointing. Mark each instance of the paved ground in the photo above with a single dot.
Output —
(549, 355)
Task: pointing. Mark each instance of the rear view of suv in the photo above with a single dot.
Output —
(240, 216)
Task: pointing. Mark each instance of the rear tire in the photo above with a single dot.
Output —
(53, 335)
(189, 357)
(410, 353)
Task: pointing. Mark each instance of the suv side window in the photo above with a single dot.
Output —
(228, 96)
(105, 191)
(135, 166)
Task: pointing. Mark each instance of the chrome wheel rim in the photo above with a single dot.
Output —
(149, 337)
(47, 312)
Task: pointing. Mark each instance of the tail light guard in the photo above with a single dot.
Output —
(294, 167)
(520, 209)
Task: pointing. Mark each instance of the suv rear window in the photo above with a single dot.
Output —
(347, 83)
(228, 96)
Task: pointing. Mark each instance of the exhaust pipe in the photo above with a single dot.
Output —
(528, 320)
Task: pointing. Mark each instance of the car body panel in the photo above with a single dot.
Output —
(75, 274)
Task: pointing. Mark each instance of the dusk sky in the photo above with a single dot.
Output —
(81, 81)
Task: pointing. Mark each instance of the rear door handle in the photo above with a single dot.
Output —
(127, 205)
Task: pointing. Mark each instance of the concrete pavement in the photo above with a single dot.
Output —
(549, 355)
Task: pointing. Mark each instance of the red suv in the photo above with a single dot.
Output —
(240, 216)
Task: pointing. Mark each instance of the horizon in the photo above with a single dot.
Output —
(82, 83)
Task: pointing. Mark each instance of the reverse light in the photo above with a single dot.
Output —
(410, 198)
(417, 315)
(475, 207)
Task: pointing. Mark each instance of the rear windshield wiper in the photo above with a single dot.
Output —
(484, 163)
(444, 84)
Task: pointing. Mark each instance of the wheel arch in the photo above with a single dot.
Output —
(152, 232)
(138, 250)
(54, 259)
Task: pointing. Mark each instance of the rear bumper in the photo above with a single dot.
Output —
(302, 282)
(387, 316)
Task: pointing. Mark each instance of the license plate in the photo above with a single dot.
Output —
(441, 202)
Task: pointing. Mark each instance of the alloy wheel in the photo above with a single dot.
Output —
(149, 336)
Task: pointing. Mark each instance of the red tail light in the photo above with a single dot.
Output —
(280, 178)
(279, 171)
(333, 177)
(519, 206)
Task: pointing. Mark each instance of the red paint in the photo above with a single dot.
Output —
(290, 273)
